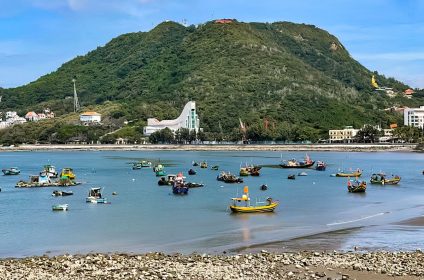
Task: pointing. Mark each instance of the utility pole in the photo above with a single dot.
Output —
(76, 102)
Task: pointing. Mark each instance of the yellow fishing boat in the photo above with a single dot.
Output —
(356, 173)
(67, 172)
(242, 204)
(244, 172)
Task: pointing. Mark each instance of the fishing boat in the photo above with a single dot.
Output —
(160, 173)
(227, 177)
(244, 172)
(192, 185)
(62, 193)
(302, 174)
(11, 171)
(381, 178)
(158, 167)
(145, 163)
(60, 207)
(356, 186)
(167, 181)
(192, 172)
(194, 163)
(68, 173)
(95, 196)
(321, 166)
(255, 170)
(291, 177)
(263, 187)
(136, 166)
(203, 164)
(293, 163)
(215, 167)
(356, 173)
(242, 204)
(50, 170)
(179, 186)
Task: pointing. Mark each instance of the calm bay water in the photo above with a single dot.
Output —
(147, 217)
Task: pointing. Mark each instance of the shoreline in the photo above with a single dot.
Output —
(264, 265)
(220, 147)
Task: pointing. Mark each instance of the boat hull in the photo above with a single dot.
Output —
(60, 207)
(355, 174)
(254, 209)
(309, 165)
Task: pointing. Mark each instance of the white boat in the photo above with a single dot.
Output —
(60, 207)
(95, 196)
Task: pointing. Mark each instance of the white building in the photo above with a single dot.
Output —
(11, 114)
(343, 135)
(32, 116)
(187, 119)
(414, 117)
(90, 117)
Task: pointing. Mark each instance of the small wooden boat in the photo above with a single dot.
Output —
(356, 173)
(244, 172)
(50, 170)
(95, 196)
(321, 166)
(136, 166)
(192, 172)
(158, 167)
(227, 177)
(293, 163)
(192, 185)
(67, 173)
(243, 205)
(255, 171)
(355, 186)
(167, 181)
(11, 171)
(263, 187)
(194, 163)
(62, 193)
(291, 177)
(381, 178)
(203, 164)
(215, 167)
(145, 163)
(302, 174)
(60, 207)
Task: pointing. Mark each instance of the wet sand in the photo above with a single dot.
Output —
(417, 222)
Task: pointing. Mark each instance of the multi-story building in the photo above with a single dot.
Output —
(345, 135)
(414, 117)
(187, 119)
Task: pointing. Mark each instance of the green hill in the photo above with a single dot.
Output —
(298, 77)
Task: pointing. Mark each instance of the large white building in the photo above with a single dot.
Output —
(414, 117)
(187, 119)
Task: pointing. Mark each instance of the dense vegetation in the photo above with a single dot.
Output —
(286, 81)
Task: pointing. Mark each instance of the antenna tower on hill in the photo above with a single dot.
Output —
(76, 102)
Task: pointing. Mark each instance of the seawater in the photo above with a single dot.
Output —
(146, 217)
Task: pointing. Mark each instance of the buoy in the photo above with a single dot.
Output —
(133, 179)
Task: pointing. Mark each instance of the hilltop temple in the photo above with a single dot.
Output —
(187, 119)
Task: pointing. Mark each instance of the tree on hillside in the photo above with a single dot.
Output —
(162, 136)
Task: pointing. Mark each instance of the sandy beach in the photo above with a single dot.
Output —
(264, 265)
(276, 147)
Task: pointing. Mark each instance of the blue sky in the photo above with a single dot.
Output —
(37, 36)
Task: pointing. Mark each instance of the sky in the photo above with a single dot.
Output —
(38, 36)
